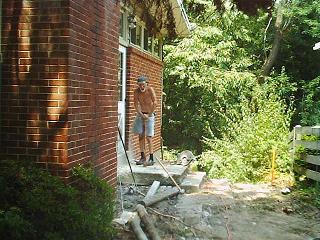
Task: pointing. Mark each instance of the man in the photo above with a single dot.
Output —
(145, 103)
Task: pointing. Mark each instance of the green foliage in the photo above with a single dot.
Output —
(300, 149)
(309, 192)
(309, 107)
(36, 205)
(169, 154)
(282, 86)
(207, 77)
(300, 153)
(311, 138)
(214, 103)
(212, 93)
(300, 60)
(244, 154)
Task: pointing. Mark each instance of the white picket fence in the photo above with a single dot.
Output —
(298, 137)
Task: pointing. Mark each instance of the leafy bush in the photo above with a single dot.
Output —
(244, 153)
(36, 205)
(309, 106)
(208, 75)
(309, 137)
(213, 92)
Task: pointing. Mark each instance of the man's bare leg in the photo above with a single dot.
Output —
(142, 145)
(150, 144)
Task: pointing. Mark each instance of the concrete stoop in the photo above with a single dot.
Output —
(147, 175)
(190, 182)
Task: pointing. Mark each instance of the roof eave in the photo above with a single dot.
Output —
(183, 27)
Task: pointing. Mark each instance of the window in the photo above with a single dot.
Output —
(156, 47)
(135, 35)
(122, 29)
(147, 41)
(138, 34)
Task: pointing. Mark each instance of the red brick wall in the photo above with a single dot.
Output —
(34, 122)
(93, 83)
(141, 63)
(58, 88)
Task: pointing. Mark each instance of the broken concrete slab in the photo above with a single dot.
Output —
(192, 181)
(153, 189)
(169, 192)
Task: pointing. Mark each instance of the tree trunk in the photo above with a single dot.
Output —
(135, 225)
(147, 222)
(267, 66)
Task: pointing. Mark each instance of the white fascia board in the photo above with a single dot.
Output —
(183, 27)
(316, 46)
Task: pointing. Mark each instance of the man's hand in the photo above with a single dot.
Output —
(144, 116)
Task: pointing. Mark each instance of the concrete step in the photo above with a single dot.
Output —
(146, 175)
(192, 181)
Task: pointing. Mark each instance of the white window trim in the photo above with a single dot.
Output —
(126, 41)
(141, 45)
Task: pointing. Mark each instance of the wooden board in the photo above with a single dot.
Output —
(307, 131)
(313, 159)
(313, 175)
(308, 144)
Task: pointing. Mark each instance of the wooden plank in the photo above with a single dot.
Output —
(315, 131)
(301, 131)
(298, 131)
(313, 175)
(313, 159)
(305, 130)
(308, 144)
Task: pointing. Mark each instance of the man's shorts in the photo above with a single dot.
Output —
(138, 125)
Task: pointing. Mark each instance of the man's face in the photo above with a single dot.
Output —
(142, 86)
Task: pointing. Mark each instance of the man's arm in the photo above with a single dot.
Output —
(153, 99)
(136, 103)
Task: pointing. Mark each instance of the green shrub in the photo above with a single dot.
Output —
(311, 138)
(244, 153)
(36, 205)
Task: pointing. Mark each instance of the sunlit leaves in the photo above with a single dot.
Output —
(212, 93)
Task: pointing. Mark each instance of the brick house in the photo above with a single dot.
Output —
(68, 72)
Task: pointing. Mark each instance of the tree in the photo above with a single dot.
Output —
(213, 96)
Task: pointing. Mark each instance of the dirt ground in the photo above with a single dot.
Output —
(221, 210)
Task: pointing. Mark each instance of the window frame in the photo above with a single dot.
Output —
(126, 39)
(141, 45)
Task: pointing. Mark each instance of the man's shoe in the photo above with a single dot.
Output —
(141, 161)
(150, 162)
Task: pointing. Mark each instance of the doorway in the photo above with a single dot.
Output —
(122, 81)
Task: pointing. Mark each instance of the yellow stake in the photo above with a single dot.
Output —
(273, 165)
